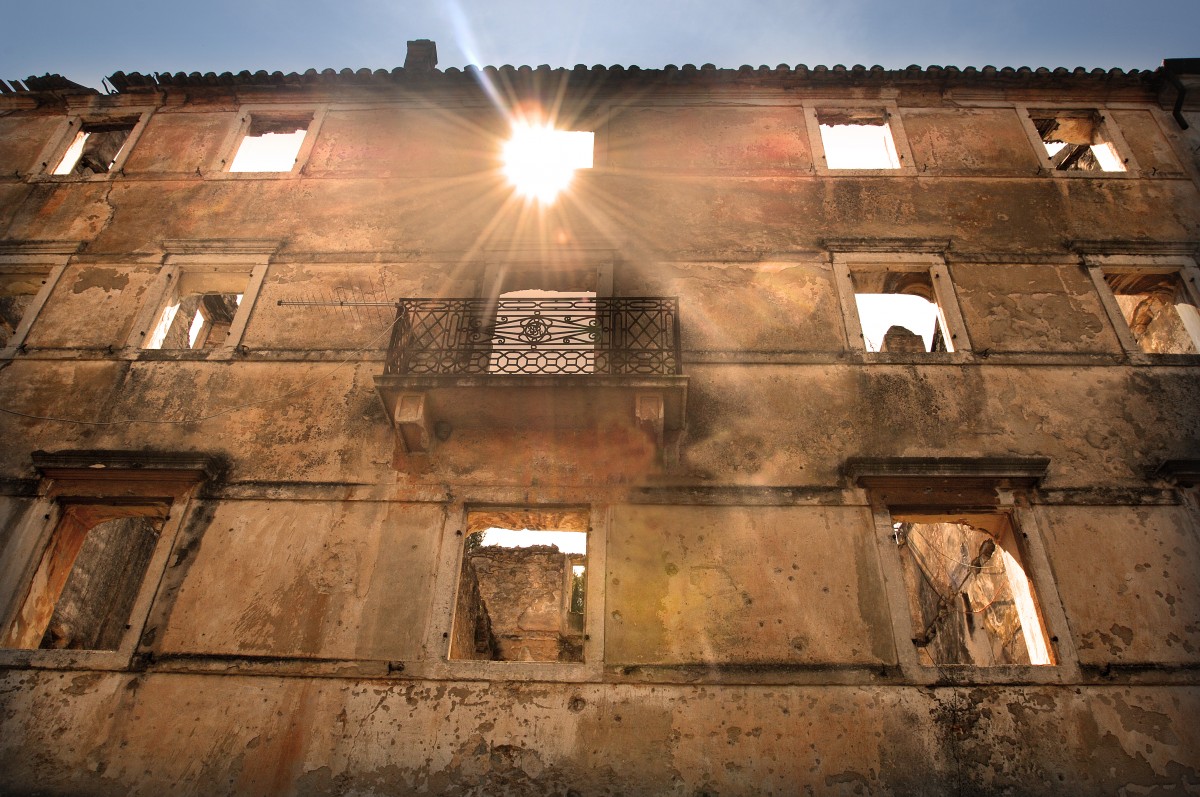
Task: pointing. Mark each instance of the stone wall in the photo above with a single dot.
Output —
(310, 618)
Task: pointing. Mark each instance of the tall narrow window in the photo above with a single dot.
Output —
(523, 586)
(88, 578)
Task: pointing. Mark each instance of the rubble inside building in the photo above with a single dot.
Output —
(719, 459)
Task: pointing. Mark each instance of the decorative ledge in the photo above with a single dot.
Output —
(1183, 472)
(886, 245)
(125, 474)
(945, 481)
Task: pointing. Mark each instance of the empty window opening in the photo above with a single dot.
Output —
(1159, 312)
(969, 596)
(540, 162)
(197, 321)
(17, 292)
(898, 313)
(95, 148)
(544, 332)
(1076, 142)
(523, 587)
(200, 310)
(85, 586)
(857, 140)
(271, 144)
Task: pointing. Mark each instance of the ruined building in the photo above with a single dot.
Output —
(822, 430)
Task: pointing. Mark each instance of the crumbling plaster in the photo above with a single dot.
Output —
(1142, 606)
(408, 738)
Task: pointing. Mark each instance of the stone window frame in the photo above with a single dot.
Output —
(446, 586)
(42, 260)
(1098, 265)
(951, 485)
(62, 138)
(110, 479)
(850, 257)
(246, 259)
(219, 168)
(891, 111)
(1111, 133)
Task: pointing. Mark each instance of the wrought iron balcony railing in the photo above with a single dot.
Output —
(579, 335)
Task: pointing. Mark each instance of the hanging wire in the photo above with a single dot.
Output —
(944, 555)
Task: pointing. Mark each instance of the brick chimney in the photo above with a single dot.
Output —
(422, 56)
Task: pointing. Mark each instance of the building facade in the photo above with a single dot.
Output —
(835, 431)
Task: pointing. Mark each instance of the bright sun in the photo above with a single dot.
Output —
(540, 161)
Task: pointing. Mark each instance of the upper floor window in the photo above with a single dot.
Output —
(95, 148)
(1077, 141)
(857, 139)
(270, 140)
(271, 143)
(1152, 301)
(899, 303)
(1158, 311)
(203, 297)
(523, 586)
(198, 314)
(898, 312)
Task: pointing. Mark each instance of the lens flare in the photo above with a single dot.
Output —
(540, 161)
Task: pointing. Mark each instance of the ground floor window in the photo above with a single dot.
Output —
(970, 598)
(523, 586)
(88, 577)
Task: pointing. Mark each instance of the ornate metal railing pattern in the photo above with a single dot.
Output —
(580, 335)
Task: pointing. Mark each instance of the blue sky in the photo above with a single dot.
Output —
(88, 40)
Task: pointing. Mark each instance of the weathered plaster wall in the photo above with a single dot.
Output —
(1101, 426)
(969, 142)
(262, 441)
(1128, 578)
(311, 578)
(266, 735)
(1032, 308)
(178, 142)
(22, 137)
(745, 585)
(794, 305)
(92, 307)
(407, 143)
(706, 138)
(1154, 151)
